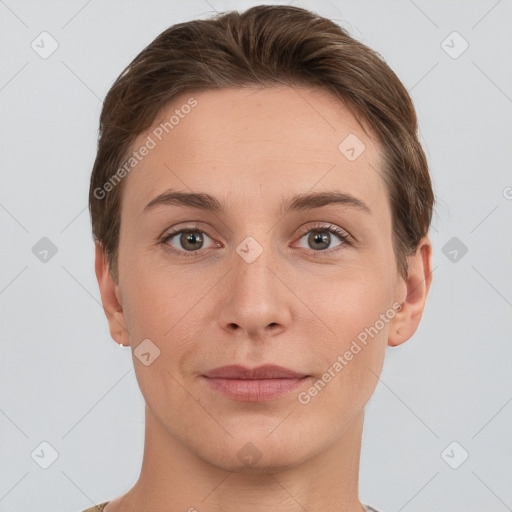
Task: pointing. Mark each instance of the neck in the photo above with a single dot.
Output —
(173, 475)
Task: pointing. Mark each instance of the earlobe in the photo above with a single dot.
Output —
(417, 286)
(110, 298)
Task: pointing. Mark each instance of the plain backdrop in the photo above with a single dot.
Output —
(437, 429)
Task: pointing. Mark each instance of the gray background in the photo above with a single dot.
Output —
(65, 382)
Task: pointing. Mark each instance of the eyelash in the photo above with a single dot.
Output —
(330, 228)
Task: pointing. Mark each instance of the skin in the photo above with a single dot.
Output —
(294, 305)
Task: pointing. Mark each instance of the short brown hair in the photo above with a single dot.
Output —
(265, 45)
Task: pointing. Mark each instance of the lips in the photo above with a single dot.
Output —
(268, 371)
(267, 382)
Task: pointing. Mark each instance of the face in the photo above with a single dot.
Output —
(280, 273)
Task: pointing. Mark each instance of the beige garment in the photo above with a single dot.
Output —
(97, 508)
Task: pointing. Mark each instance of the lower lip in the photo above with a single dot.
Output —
(254, 390)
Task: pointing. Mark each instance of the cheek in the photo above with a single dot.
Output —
(159, 309)
(154, 295)
(353, 311)
(169, 308)
(350, 356)
(350, 301)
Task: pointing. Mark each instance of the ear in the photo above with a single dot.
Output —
(110, 297)
(414, 291)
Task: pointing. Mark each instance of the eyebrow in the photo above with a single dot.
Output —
(298, 202)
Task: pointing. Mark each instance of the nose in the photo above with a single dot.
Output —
(255, 301)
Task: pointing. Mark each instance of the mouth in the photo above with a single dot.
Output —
(259, 384)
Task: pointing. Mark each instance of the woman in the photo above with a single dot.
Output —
(286, 152)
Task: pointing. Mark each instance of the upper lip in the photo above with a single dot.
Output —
(267, 371)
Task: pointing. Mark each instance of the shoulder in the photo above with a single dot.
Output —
(96, 508)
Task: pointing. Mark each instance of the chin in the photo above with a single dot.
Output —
(253, 451)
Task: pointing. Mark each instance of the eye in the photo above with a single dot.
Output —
(319, 237)
(189, 240)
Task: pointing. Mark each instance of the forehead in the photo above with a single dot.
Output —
(252, 145)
